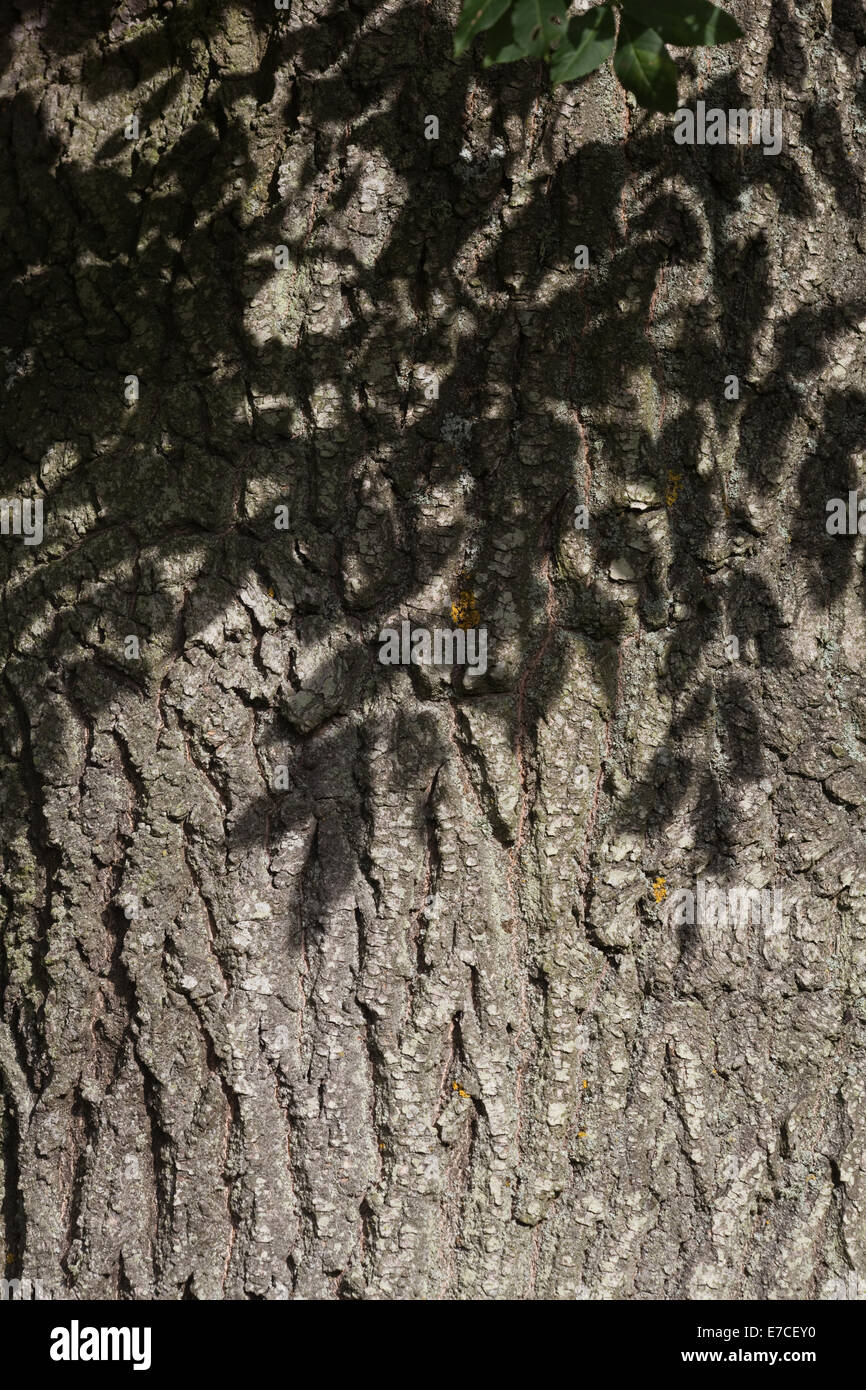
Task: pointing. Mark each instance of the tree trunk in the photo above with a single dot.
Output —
(327, 978)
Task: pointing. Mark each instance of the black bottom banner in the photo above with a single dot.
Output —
(60, 1339)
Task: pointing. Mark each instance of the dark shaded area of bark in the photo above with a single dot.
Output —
(156, 257)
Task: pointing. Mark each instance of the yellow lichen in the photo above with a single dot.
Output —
(464, 610)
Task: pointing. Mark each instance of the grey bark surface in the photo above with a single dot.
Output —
(407, 1020)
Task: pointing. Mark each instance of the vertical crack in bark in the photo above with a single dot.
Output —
(164, 1171)
(83, 1133)
(234, 1129)
(513, 870)
(429, 874)
(47, 855)
(583, 867)
(187, 845)
(14, 1209)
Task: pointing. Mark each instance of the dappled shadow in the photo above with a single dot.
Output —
(299, 385)
(145, 260)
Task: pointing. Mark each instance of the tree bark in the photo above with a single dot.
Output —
(323, 978)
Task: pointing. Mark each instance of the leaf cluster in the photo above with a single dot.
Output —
(635, 32)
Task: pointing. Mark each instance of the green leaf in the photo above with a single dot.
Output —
(499, 45)
(685, 21)
(589, 40)
(476, 16)
(534, 25)
(644, 66)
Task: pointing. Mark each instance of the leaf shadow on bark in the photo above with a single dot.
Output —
(192, 565)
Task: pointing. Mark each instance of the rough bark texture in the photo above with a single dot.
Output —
(407, 1019)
